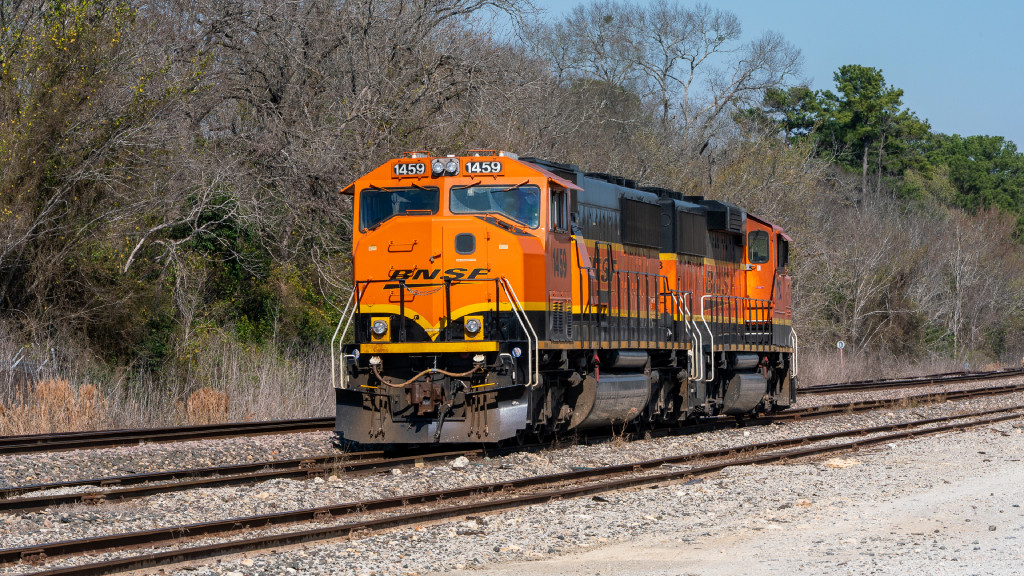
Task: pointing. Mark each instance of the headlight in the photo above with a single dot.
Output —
(473, 326)
(437, 166)
(379, 327)
(451, 167)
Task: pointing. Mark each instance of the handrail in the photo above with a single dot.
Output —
(532, 342)
(346, 318)
(792, 336)
(694, 336)
(698, 350)
(711, 335)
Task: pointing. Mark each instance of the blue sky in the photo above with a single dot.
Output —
(960, 64)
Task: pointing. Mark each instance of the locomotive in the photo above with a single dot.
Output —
(498, 297)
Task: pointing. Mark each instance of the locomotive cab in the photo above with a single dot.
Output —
(448, 306)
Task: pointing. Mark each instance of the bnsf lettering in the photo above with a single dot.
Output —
(716, 283)
(451, 274)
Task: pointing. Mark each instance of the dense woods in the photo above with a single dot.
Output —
(169, 185)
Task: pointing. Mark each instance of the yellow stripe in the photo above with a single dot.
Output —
(427, 347)
(433, 330)
(504, 307)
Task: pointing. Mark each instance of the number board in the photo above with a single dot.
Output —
(410, 169)
(485, 167)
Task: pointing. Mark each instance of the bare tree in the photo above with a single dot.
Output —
(971, 289)
(691, 63)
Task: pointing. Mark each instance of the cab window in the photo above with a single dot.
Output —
(520, 202)
(559, 209)
(757, 243)
(379, 204)
(782, 261)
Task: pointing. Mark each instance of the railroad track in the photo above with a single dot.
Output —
(371, 516)
(861, 405)
(129, 487)
(946, 378)
(30, 443)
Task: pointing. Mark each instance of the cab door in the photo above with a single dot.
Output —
(759, 261)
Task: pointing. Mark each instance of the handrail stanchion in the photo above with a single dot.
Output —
(346, 319)
(795, 341)
(533, 347)
(704, 318)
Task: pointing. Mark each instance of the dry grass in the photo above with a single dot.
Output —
(205, 406)
(824, 367)
(221, 381)
(54, 406)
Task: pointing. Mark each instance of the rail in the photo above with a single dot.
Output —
(694, 336)
(32, 443)
(403, 293)
(532, 342)
(737, 320)
(795, 342)
(346, 319)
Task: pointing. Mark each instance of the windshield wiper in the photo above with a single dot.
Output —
(511, 188)
(470, 185)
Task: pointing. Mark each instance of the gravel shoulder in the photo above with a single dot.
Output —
(950, 504)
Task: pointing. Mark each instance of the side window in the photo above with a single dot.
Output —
(782, 261)
(559, 209)
(757, 244)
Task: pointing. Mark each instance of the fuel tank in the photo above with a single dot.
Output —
(624, 359)
(744, 392)
(611, 398)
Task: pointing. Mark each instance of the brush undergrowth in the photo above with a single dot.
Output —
(54, 406)
(221, 381)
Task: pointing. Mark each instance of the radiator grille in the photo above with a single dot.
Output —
(560, 319)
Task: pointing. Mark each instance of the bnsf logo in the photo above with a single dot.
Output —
(450, 274)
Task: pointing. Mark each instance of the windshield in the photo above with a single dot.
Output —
(520, 203)
(378, 204)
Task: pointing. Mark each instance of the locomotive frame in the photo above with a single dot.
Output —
(496, 297)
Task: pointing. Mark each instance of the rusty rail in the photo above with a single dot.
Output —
(30, 443)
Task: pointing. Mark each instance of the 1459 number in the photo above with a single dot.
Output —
(492, 167)
(410, 169)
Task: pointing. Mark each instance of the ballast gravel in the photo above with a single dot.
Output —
(949, 504)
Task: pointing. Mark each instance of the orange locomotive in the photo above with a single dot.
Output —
(497, 297)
